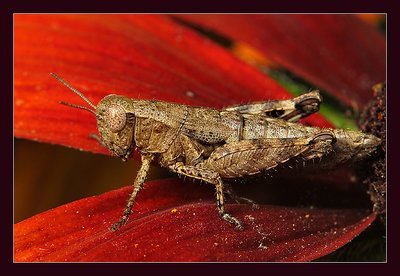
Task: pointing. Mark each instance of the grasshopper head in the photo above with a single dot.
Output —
(116, 124)
(115, 121)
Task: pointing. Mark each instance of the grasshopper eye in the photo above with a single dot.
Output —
(115, 118)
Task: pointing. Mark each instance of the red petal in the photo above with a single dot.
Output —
(140, 56)
(339, 53)
(147, 57)
(182, 224)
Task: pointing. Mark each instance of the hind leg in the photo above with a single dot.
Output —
(290, 110)
(248, 157)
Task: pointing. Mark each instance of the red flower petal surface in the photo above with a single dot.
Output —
(339, 53)
(140, 56)
(147, 56)
(182, 224)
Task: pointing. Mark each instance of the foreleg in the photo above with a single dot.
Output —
(137, 186)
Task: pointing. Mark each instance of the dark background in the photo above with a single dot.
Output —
(47, 176)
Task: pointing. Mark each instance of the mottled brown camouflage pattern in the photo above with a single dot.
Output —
(210, 144)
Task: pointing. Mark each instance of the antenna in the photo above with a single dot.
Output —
(79, 107)
(78, 93)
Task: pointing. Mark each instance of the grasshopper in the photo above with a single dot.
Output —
(211, 145)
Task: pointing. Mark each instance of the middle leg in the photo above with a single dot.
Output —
(238, 199)
(213, 178)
